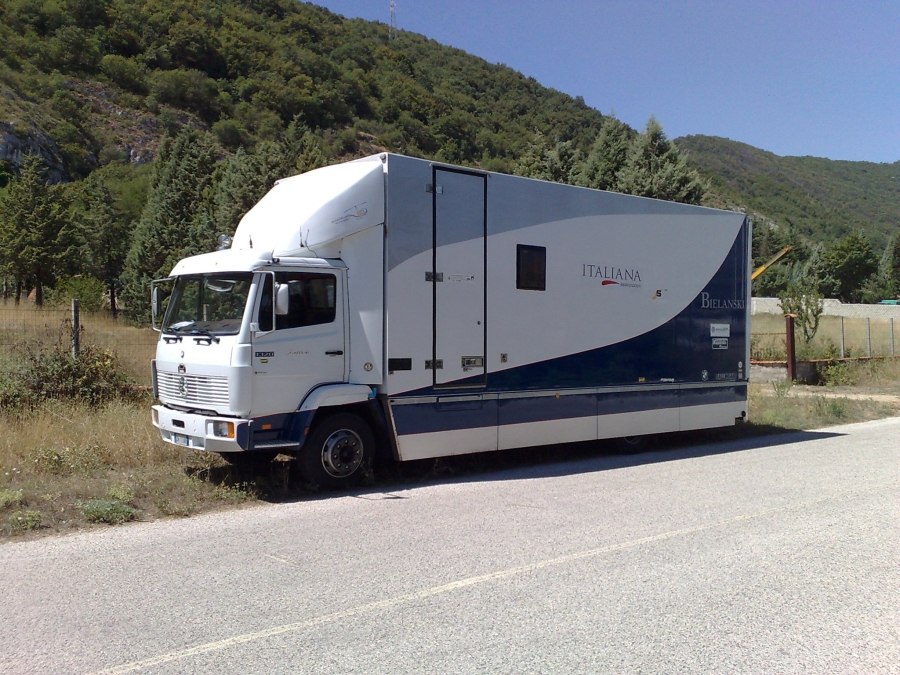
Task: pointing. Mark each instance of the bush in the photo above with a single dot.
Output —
(186, 89)
(25, 520)
(840, 373)
(95, 377)
(11, 498)
(110, 511)
(87, 289)
(122, 493)
(66, 461)
(229, 133)
(127, 73)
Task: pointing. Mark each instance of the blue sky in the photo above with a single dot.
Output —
(796, 77)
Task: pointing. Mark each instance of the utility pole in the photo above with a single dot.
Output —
(392, 32)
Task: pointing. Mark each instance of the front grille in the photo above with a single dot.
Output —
(198, 390)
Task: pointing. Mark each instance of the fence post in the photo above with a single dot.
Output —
(842, 337)
(868, 336)
(789, 347)
(76, 329)
(892, 336)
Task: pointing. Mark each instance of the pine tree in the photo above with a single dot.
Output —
(243, 179)
(546, 161)
(606, 157)
(38, 239)
(848, 265)
(107, 235)
(654, 168)
(302, 149)
(176, 221)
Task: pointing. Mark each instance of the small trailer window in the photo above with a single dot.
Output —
(531, 268)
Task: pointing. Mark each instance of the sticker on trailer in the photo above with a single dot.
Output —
(720, 343)
(460, 278)
(720, 330)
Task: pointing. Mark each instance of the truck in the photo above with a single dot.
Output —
(412, 308)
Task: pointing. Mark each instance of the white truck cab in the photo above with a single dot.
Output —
(255, 341)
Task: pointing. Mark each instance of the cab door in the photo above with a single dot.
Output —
(302, 349)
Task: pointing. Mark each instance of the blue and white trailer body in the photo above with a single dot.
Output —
(473, 311)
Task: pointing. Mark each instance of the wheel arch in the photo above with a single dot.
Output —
(370, 413)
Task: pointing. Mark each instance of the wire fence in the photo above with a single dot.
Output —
(836, 337)
(26, 329)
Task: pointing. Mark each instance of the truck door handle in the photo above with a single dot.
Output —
(336, 352)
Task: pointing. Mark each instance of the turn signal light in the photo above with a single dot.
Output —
(223, 429)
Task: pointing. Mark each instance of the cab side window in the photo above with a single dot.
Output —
(312, 299)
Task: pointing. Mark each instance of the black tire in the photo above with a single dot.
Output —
(632, 445)
(338, 453)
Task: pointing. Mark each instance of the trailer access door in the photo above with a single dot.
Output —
(458, 277)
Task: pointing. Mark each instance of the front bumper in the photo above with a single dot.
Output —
(190, 430)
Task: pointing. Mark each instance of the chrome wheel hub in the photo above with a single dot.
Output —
(342, 453)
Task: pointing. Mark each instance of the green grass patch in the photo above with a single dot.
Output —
(111, 511)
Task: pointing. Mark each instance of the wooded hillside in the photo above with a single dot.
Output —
(821, 199)
(133, 132)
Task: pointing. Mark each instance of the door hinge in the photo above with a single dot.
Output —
(437, 364)
(431, 276)
(434, 189)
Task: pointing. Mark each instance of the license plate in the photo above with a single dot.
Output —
(181, 439)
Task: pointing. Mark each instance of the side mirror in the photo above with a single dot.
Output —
(154, 301)
(282, 299)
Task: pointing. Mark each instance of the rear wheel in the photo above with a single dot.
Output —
(339, 452)
(632, 445)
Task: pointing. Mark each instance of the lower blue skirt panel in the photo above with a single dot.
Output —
(470, 412)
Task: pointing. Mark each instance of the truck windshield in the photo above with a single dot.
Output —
(211, 304)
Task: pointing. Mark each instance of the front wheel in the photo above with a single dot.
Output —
(339, 452)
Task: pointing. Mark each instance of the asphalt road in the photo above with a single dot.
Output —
(778, 555)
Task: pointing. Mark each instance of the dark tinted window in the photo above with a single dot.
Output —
(531, 268)
(312, 299)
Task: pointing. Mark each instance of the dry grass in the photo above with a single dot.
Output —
(26, 324)
(778, 406)
(767, 340)
(63, 464)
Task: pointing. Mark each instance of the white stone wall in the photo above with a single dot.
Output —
(831, 308)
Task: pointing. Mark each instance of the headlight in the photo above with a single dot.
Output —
(223, 429)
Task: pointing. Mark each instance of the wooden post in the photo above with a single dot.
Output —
(76, 329)
(789, 347)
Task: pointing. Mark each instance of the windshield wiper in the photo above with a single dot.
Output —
(204, 334)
